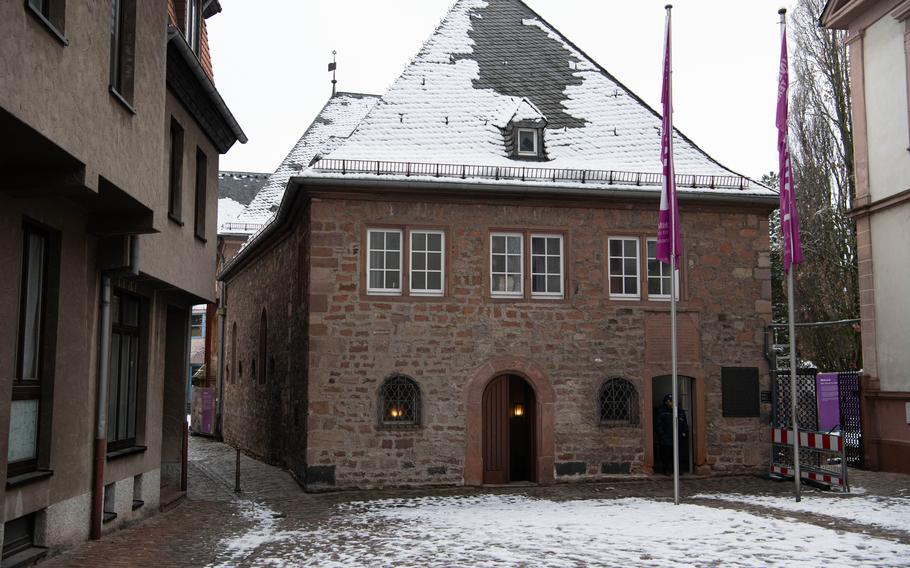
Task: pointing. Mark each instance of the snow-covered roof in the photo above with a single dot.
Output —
(235, 192)
(338, 118)
(494, 61)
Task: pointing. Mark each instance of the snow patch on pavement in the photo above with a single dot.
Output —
(886, 512)
(504, 530)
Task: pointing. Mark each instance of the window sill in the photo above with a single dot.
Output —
(125, 452)
(202, 240)
(175, 219)
(122, 100)
(25, 558)
(26, 478)
(384, 293)
(138, 503)
(51, 28)
(625, 298)
(108, 517)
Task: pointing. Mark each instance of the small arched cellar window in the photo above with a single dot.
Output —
(618, 403)
(399, 402)
(263, 347)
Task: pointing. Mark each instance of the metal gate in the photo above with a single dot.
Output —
(851, 424)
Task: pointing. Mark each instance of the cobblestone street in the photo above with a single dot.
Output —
(272, 522)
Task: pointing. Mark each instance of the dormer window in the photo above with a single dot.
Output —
(527, 141)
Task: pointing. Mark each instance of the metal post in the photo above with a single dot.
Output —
(237, 472)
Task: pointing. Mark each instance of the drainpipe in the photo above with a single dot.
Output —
(101, 425)
(222, 315)
(100, 446)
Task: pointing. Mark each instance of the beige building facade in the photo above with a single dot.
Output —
(111, 134)
(879, 40)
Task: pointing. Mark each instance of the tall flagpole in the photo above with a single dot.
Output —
(790, 315)
(673, 269)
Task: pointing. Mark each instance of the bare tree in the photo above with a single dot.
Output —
(821, 130)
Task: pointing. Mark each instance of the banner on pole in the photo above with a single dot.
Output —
(789, 217)
(668, 234)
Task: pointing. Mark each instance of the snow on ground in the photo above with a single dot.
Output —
(502, 530)
(886, 512)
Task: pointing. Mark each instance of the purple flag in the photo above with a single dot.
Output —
(789, 219)
(668, 207)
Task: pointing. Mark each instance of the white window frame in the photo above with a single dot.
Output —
(610, 275)
(545, 274)
(535, 133)
(657, 297)
(521, 267)
(369, 251)
(426, 271)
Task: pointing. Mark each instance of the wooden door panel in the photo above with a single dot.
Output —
(496, 431)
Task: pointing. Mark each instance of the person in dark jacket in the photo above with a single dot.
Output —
(664, 433)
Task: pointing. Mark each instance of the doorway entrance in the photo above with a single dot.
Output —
(509, 437)
(660, 387)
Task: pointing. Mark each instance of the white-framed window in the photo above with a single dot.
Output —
(384, 261)
(427, 263)
(547, 266)
(659, 275)
(623, 267)
(526, 140)
(193, 24)
(506, 270)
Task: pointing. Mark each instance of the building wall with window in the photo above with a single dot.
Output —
(879, 43)
(88, 93)
(566, 309)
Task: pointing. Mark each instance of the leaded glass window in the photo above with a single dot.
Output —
(399, 402)
(618, 403)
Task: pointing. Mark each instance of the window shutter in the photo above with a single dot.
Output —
(739, 391)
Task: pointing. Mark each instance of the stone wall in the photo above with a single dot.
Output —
(356, 340)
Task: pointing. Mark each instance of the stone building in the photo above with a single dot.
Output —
(111, 134)
(879, 43)
(464, 291)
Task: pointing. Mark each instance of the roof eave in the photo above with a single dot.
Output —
(176, 38)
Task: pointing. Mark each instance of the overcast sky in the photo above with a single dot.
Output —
(270, 60)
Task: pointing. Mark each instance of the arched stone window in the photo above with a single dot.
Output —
(399, 402)
(618, 403)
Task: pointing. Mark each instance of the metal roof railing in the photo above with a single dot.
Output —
(241, 227)
(522, 173)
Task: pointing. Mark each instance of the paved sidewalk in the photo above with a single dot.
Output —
(274, 519)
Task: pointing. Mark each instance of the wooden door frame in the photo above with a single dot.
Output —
(697, 422)
(544, 418)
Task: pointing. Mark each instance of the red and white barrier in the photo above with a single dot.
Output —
(811, 475)
(812, 440)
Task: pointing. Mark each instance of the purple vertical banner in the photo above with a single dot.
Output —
(828, 401)
(208, 410)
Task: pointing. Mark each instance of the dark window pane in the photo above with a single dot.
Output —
(377, 259)
(653, 268)
(513, 264)
(418, 280)
(434, 261)
(615, 247)
(539, 284)
(499, 263)
(32, 306)
(393, 241)
(553, 265)
(526, 140)
(376, 279)
(499, 244)
(434, 242)
(654, 286)
(630, 266)
(23, 430)
(630, 248)
(434, 281)
(554, 284)
(615, 266)
(393, 280)
(499, 283)
(419, 261)
(392, 260)
(418, 241)
(513, 284)
(538, 245)
(514, 245)
(377, 241)
(631, 285)
(616, 285)
(553, 246)
(538, 264)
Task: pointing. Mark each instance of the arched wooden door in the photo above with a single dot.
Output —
(496, 431)
(509, 438)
